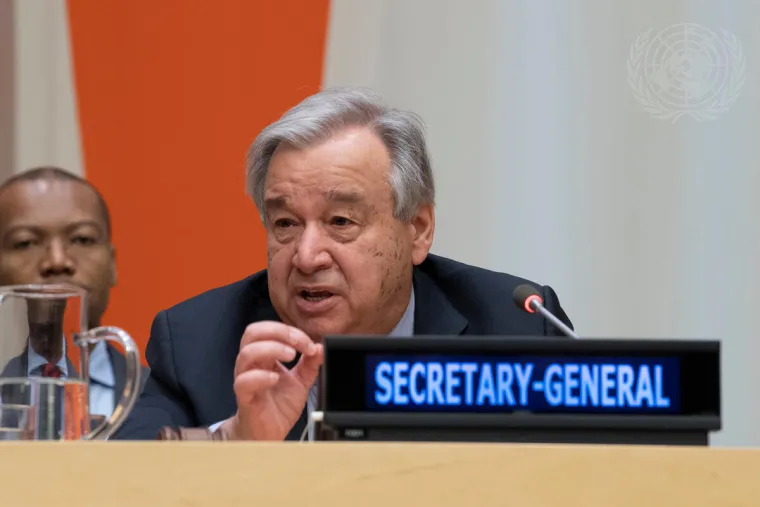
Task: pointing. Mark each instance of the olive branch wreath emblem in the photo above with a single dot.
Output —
(720, 103)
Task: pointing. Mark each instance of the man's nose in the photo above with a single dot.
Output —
(56, 261)
(311, 250)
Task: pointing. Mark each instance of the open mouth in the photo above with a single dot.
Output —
(315, 296)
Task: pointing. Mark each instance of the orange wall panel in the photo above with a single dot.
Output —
(171, 93)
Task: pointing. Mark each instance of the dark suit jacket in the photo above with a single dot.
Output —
(193, 346)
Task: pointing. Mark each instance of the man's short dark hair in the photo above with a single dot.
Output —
(56, 173)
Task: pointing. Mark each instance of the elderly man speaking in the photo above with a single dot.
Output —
(345, 190)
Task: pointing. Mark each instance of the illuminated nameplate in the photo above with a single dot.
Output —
(488, 375)
(536, 384)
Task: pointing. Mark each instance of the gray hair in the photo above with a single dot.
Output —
(321, 115)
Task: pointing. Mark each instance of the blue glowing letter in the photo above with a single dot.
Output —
(435, 384)
(553, 389)
(383, 380)
(590, 385)
(469, 370)
(608, 382)
(625, 386)
(417, 394)
(662, 401)
(644, 387)
(399, 381)
(504, 378)
(452, 381)
(485, 386)
(571, 382)
(523, 381)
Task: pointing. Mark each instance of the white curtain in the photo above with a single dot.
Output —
(46, 128)
(550, 166)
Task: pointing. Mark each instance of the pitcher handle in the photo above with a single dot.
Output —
(130, 394)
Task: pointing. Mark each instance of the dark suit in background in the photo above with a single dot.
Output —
(193, 345)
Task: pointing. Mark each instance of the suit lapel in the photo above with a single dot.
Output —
(16, 367)
(24, 362)
(433, 313)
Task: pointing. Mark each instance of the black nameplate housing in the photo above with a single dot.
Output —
(648, 389)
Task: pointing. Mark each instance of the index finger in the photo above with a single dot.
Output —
(278, 331)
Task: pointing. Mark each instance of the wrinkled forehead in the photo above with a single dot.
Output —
(287, 196)
(350, 167)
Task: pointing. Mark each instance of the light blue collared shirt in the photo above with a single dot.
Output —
(36, 362)
(102, 379)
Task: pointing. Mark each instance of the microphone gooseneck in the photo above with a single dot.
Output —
(528, 299)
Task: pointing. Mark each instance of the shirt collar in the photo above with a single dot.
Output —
(35, 362)
(405, 326)
(101, 370)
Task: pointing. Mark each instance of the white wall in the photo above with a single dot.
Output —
(549, 168)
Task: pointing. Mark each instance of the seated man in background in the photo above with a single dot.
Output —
(345, 190)
(55, 228)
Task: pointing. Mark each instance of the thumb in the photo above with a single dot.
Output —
(307, 368)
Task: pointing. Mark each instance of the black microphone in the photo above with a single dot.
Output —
(527, 298)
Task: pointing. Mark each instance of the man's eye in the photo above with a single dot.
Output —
(283, 223)
(341, 221)
(83, 240)
(22, 245)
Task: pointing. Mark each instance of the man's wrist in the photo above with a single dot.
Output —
(229, 429)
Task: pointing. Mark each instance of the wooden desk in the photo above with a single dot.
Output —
(168, 474)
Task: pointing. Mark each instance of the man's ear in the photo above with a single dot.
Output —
(114, 274)
(423, 229)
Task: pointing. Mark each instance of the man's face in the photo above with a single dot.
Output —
(54, 231)
(339, 262)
